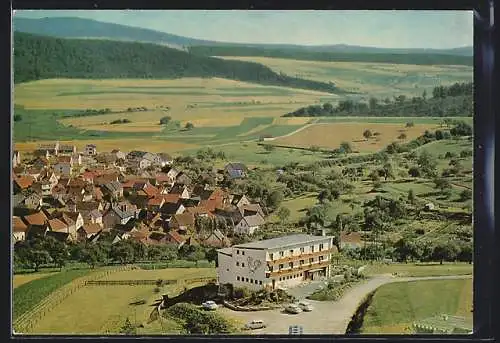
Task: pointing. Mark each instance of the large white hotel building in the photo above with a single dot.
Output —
(275, 263)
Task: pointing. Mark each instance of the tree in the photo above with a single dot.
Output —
(165, 120)
(402, 136)
(442, 184)
(196, 255)
(345, 147)
(410, 124)
(275, 198)
(37, 257)
(387, 171)
(283, 214)
(445, 251)
(18, 117)
(439, 135)
(367, 134)
(465, 195)
(414, 171)
(57, 250)
(128, 328)
(411, 197)
(93, 255)
(427, 164)
(189, 126)
(211, 255)
(269, 147)
(123, 252)
(373, 103)
(154, 253)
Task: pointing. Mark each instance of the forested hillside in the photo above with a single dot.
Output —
(300, 54)
(40, 57)
(454, 100)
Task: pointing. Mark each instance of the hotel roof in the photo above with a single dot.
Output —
(281, 242)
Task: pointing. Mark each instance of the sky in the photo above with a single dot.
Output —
(388, 29)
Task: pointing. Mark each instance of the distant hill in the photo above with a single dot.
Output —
(86, 28)
(40, 57)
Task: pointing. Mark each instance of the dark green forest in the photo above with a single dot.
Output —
(300, 54)
(454, 100)
(40, 57)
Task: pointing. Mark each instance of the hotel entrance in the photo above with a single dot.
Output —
(315, 274)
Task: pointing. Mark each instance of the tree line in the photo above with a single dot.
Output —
(454, 100)
(298, 54)
(39, 57)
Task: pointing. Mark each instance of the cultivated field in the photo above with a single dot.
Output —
(332, 135)
(378, 79)
(395, 306)
(21, 279)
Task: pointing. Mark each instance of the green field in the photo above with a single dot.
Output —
(395, 306)
(420, 270)
(30, 294)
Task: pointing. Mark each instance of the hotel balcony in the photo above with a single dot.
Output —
(295, 269)
(296, 258)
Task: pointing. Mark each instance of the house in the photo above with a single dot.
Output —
(157, 238)
(90, 149)
(165, 159)
(117, 215)
(34, 172)
(19, 229)
(429, 206)
(249, 223)
(183, 179)
(171, 172)
(16, 158)
(249, 209)
(95, 217)
(351, 240)
(63, 169)
(105, 178)
(163, 179)
(35, 219)
(41, 162)
(154, 204)
(88, 230)
(183, 222)
(60, 236)
(199, 211)
(22, 183)
(119, 155)
(18, 200)
(106, 159)
(66, 149)
(239, 200)
(280, 262)
(170, 209)
(33, 201)
(113, 189)
(47, 150)
(58, 225)
(174, 238)
(181, 190)
(74, 220)
(217, 240)
(235, 170)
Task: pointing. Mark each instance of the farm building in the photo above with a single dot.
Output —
(90, 149)
(236, 170)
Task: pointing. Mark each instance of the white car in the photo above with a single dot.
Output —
(255, 324)
(293, 308)
(209, 305)
(305, 306)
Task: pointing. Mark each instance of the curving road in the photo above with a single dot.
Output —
(328, 317)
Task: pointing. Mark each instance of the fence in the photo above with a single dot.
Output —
(27, 321)
(128, 282)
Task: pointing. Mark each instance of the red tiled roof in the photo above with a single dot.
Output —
(24, 181)
(175, 237)
(184, 219)
(173, 198)
(157, 201)
(92, 228)
(198, 210)
(18, 225)
(36, 218)
(150, 190)
(57, 225)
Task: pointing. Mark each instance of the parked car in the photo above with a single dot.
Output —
(209, 305)
(305, 306)
(255, 324)
(293, 308)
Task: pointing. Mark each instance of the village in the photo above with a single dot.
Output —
(78, 196)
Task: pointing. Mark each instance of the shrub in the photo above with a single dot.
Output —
(198, 321)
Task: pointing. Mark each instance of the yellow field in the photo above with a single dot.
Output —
(374, 78)
(21, 279)
(104, 309)
(110, 144)
(291, 120)
(332, 135)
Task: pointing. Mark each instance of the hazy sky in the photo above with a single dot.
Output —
(391, 29)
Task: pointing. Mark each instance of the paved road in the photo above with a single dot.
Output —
(328, 317)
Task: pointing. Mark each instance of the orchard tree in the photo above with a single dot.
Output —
(367, 134)
(411, 197)
(345, 147)
(283, 214)
(189, 126)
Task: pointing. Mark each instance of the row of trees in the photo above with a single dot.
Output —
(41, 57)
(455, 100)
(37, 252)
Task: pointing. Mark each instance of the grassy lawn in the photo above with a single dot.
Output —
(395, 306)
(410, 269)
(30, 294)
(104, 309)
(21, 279)
(297, 206)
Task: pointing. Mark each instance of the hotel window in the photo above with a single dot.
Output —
(282, 253)
(271, 268)
(300, 274)
(251, 280)
(256, 282)
(237, 264)
(281, 266)
(291, 252)
(237, 252)
(301, 262)
(271, 256)
(238, 278)
(312, 248)
(243, 253)
(246, 279)
(242, 264)
(311, 260)
(280, 279)
(321, 247)
(260, 282)
(321, 258)
(290, 264)
(302, 249)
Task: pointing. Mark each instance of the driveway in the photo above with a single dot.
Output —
(327, 317)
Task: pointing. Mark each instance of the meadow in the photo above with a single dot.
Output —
(377, 79)
(419, 269)
(396, 306)
(21, 279)
(104, 309)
